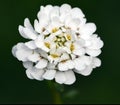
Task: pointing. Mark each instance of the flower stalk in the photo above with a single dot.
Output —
(55, 93)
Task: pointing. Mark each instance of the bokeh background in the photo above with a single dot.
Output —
(102, 86)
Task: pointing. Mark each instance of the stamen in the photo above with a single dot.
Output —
(72, 47)
(54, 55)
(63, 61)
(68, 36)
(54, 30)
(47, 45)
(43, 29)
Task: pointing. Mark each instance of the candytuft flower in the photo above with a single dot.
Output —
(60, 43)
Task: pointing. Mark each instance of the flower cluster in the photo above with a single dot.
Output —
(61, 43)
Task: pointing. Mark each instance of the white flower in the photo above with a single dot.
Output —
(61, 43)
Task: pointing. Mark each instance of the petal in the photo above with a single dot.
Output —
(79, 52)
(37, 26)
(65, 8)
(96, 42)
(54, 12)
(28, 73)
(43, 18)
(62, 66)
(40, 44)
(87, 60)
(28, 64)
(21, 46)
(64, 57)
(51, 66)
(60, 77)
(29, 33)
(14, 49)
(41, 64)
(70, 64)
(21, 28)
(77, 13)
(73, 23)
(37, 74)
(47, 9)
(70, 77)
(42, 53)
(22, 54)
(93, 52)
(79, 64)
(49, 74)
(40, 26)
(87, 30)
(39, 41)
(27, 24)
(31, 45)
(34, 57)
(87, 71)
(97, 62)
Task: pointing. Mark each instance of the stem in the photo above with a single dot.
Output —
(55, 93)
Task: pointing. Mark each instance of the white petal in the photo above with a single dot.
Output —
(62, 66)
(21, 28)
(87, 71)
(28, 64)
(40, 44)
(77, 13)
(47, 9)
(20, 46)
(43, 19)
(79, 64)
(49, 74)
(29, 33)
(37, 26)
(28, 73)
(31, 45)
(34, 57)
(51, 66)
(96, 42)
(79, 52)
(54, 12)
(39, 41)
(27, 24)
(73, 23)
(87, 30)
(22, 54)
(70, 64)
(65, 8)
(97, 62)
(41, 64)
(70, 77)
(60, 77)
(87, 60)
(64, 57)
(14, 49)
(93, 52)
(42, 53)
(43, 22)
(37, 74)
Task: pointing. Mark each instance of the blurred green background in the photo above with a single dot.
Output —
(102, 86)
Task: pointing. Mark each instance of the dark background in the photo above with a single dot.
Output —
(102, 86)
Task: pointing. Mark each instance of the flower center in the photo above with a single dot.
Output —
(60, 40)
